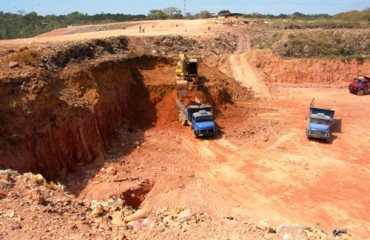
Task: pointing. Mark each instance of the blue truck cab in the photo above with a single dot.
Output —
(203, 123)
(320, 122)
(199, 117)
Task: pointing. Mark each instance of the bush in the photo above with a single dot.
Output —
(316, 43)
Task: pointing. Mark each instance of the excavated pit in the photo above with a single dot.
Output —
(63, 105)
(101, 117)
(61, 120)
(64, 120)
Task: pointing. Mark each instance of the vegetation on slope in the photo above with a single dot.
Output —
(315, 43)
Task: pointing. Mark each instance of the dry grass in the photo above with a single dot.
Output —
(26, 56)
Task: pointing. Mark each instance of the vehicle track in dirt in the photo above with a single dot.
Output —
(289, 178)
(261, 166)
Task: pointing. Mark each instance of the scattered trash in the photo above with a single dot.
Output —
(39, 179)
(134, 179)
(9, 171)
(102, 171)
(140, 223)
(10, 213)
(338, 233)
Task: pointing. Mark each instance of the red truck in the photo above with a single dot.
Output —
(360, 85)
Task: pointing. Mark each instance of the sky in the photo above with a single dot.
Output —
(91, 7)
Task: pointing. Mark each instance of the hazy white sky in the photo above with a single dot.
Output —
(91, 7)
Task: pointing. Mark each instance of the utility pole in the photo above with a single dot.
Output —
(184, 8)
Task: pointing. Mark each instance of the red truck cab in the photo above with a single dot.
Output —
(360, 86)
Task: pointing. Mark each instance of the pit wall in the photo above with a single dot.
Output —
(279, 70)
(71, 121)
(65, 120)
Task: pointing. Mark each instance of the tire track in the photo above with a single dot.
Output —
(222, 166)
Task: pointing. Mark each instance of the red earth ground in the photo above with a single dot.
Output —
(260, 167)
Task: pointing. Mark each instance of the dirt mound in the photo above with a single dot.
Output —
(32, 207)
(41, 203)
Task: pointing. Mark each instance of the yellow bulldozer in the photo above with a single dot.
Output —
(186, 74)
(187, 69)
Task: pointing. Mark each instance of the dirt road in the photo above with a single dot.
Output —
(291, 179)
(272, 172)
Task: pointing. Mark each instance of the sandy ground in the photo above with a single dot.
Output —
(152, 28)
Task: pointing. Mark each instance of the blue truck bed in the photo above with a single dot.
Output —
(326, 111)
(316, 110)
(321, 120)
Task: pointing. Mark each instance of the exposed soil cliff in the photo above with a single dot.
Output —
(65, 111)
(70, 121)
(276, 69)
(61, 112)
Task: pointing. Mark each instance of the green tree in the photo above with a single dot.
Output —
(74, 18)
(298, 15)
(157, 14)
(203, 15)
(282, 15)
(33, 22)
(173, 12)
(189, 16)
(52, 20)
(256, 15)
(4, 28)
(223, 12)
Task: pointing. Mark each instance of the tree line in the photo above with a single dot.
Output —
(22, 25)
(28, 25)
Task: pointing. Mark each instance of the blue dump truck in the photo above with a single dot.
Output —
(320, 122)
(199, 117)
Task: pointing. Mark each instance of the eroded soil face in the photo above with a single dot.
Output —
(99, 116)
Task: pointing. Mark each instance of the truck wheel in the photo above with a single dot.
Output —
(195, 133)
(360, 92)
